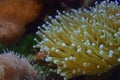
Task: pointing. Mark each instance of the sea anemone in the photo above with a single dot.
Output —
(12, 67)
(14, 15)
(83, 42)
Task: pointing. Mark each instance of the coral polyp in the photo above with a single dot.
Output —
(83, 42)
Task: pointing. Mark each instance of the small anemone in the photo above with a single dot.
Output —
(15, 67)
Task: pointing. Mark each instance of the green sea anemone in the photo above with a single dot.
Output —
(83, 42)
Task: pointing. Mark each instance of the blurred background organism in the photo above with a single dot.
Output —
(14, 15)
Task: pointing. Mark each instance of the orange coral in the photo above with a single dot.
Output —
(14, 15)
(12, 67)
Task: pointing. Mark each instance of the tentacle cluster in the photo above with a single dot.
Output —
(83, 42)
(16, 67)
